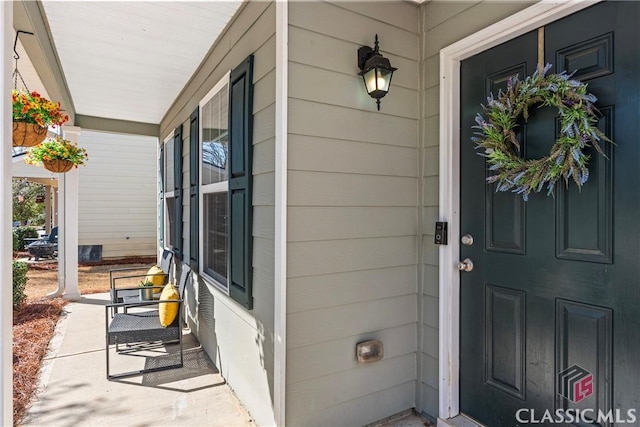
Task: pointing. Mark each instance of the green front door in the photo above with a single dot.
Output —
(550, 314)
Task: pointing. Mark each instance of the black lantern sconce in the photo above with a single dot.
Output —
(376, 71)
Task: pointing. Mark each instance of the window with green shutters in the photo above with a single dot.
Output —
(224, 122)
(177, 193)
(240, 182)
(168, 177)
(194, 194)
(171, 159)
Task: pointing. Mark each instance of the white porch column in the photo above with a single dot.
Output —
(68, 246)
(6, 214)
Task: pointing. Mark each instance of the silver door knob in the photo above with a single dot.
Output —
(466, 265)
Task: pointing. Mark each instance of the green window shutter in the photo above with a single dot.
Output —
(194, 197)
(161, 197)
(177, 179)
(240, 180)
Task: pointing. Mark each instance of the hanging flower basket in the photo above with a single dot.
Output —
(58, 166)
(28, 134)
(57, 155)
(32, 114)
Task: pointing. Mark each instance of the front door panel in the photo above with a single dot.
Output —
(554, 296)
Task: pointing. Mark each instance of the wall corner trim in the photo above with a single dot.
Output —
(280, 268)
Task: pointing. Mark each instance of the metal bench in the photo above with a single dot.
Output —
(119, 275)
(141, 330)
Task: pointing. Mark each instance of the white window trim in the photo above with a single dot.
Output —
(509, 28)
(208, 189)
(166, 228)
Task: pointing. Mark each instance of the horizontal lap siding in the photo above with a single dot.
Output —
(239, 341)
(444, 23)
(117, 194)
(352, 215)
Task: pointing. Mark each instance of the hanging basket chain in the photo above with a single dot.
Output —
(17, 74)
(16, 56)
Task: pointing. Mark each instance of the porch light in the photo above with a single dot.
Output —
(376, 71)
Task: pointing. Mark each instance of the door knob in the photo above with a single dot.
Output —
(466, 265)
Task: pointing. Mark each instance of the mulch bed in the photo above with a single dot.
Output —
(33, 327)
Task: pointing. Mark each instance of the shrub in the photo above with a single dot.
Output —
(19, 282)
(20, 233)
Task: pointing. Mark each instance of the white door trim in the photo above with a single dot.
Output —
(520, 23)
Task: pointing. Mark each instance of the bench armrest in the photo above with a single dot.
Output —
(122, 269)
(113, 279)
(140, 304)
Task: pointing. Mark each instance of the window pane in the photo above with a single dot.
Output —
(215, 236)
(214, 138)
(171, 218)
(168, 166)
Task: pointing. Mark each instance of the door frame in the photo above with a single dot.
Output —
(515, 25)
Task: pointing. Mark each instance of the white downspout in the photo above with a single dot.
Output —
(6, 214)
(280, 268)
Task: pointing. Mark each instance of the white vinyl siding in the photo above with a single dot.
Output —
(243, 348)
(352, 217)
(117, 194)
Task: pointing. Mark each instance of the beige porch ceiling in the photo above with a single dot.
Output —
(130, 60)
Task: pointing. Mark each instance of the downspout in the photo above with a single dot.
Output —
(280, 268)
(6, 215)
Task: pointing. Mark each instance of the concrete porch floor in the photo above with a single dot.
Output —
(405, 419)
(74, 390)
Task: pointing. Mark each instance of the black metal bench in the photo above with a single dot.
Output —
(141, 330)
(119, 275)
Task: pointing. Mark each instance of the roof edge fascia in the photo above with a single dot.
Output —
(104, 124)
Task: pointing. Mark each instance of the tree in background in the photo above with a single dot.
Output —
(25, 208)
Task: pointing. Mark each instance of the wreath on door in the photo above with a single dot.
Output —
(496, 133)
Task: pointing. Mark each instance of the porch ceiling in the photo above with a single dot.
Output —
(130, 60)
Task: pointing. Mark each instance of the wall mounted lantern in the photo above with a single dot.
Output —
(376, 71)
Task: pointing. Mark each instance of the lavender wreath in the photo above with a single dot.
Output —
(496, 133)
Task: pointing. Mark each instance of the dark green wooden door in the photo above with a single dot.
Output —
(550, 315)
